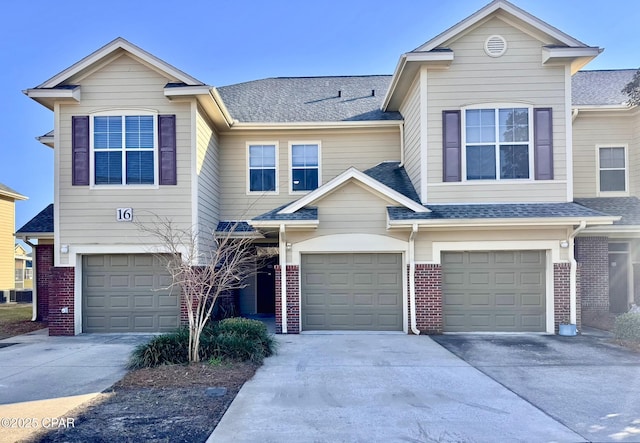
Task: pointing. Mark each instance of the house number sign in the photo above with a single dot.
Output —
(124, 214)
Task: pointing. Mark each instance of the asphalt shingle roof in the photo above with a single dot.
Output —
(600, 87)
(626, 207)
(308, 214)
(479, 211)
(234, 226)
(394, 176)
(43, 222)
(308, 99)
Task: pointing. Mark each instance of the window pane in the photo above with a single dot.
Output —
(107, 132)
(514, 161)
(612, 158)
(612, 181)
(139, 131)
(514, 125)
(481, 163)
(480, 126)
(304, 155)
(304, 179)
(262, 156)
(108, 168)
(140, 168)
(262, 180)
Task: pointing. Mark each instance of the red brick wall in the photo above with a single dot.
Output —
(428, 287)
(44, 263)
(293, 300)
(61, 291)
(562, 294)
(593, 255)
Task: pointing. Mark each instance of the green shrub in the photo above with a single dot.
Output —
(171, 348)
(237, 339)
(627, 327)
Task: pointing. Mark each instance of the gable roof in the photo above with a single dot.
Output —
(6, 191)
(119, 43)
(40, 224)
(308, 99)
(600, 88)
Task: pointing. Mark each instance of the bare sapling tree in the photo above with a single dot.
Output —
(203, 269)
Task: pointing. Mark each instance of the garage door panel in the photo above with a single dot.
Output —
(494, 291)
(122, 293)
(351, 291)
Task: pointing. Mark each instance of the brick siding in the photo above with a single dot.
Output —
(593, 255)
(428, 287)
(562, 300)
(293, 299)
(61, 291)
(44, 263)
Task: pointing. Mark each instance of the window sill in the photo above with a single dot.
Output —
(122, 187)
(526, 182)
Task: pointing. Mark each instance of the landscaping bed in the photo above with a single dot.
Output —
(15, 319)
(168, 403)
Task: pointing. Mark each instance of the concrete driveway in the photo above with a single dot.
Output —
(44, 377)
(379, 388)
(583, 382)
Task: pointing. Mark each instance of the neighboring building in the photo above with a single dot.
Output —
(23, 268)
(438, 199)
(8, 198)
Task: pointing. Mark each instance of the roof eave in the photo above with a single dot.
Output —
(13, 195)
(37, 235)
(578, 57)
(208, 98)
(300, 224)
(242, 126)
(497, 222)
(47, 97)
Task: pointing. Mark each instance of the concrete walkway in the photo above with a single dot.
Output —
(378, 388)
(42, 378)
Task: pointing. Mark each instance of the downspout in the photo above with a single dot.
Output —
(34, 286)
(401, 145)
(283, 277)
(412, 283)
(574, 114)
(573, 274)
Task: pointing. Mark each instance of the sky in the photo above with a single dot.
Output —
(227, 42)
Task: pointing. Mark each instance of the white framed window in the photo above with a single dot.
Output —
(124, 149)
(613, 178)
(262, 167)
(304, 166)
(497, 142)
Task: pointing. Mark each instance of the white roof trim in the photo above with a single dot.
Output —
(237, 125)
(353, 174)
(484, 222)
(312, 224)
(119, 43)
(74, 94)
(180, 91)
(13, 195)
(490, 9)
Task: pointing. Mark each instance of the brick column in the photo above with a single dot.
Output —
(293, 300)
(61, 295)
(428, 287)
(44, 263)
(562, 294)
(593, 255)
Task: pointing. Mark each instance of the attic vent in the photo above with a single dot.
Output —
(495, 46)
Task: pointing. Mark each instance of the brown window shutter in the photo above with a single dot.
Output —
(543, 143)
(80, 150)
(167, 149)
(451, 146)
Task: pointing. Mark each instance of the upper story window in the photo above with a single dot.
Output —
(612, 169)
(124, 150)
(263, 170)
(497, 143)
(305, 166)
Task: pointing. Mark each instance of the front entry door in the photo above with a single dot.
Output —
(618, 279)
(266, 293)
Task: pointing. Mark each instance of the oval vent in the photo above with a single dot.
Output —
(495, 46)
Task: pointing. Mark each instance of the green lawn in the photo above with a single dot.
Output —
(15, 319)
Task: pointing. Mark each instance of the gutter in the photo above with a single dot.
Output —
(283, 276)
(412, 283)
(401, 146)
(573, 273)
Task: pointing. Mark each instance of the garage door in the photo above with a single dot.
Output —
(351, 292)
(123, 293)
(494, 291)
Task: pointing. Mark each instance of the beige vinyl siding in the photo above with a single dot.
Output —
(475, 78)
(426, 238)
(341, 149)
(410, 110)
(7, 227)
(591, 129)
(88, 216)
(350, 209)
(634, 157)
(207, 169)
